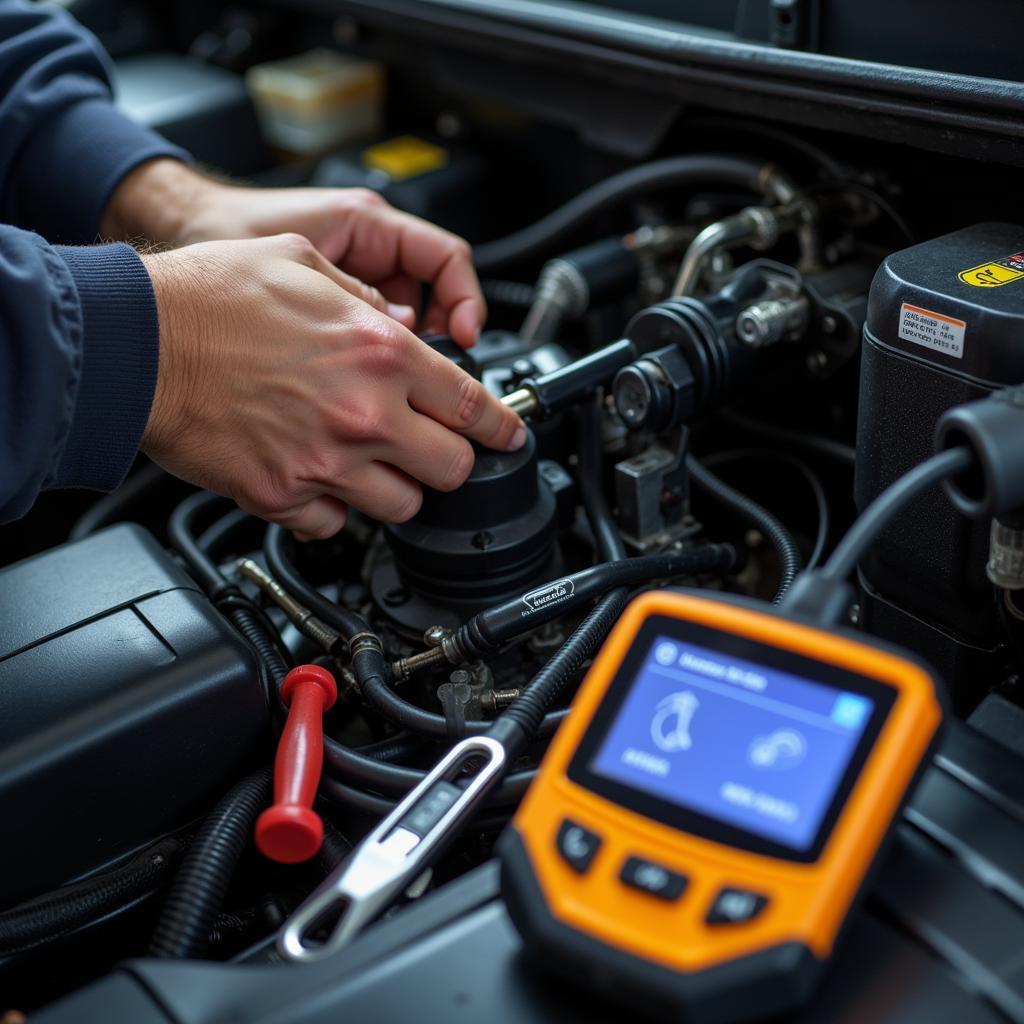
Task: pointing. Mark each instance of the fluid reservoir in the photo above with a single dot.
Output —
(945, 325)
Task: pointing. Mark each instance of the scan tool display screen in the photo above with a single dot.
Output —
(732, 739)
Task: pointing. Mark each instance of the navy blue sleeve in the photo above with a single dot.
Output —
(79, 344)
(63, 146)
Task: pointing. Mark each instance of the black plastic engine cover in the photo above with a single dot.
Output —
(127, 707)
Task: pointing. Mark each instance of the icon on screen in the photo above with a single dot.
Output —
(784, 748)
(850, 710)
(670, 727)
(666, 654)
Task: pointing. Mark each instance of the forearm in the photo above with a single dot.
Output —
(78, 361)
(64, 149)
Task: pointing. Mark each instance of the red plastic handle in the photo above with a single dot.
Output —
(290, 831)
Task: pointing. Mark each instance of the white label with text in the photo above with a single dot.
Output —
(932, 330)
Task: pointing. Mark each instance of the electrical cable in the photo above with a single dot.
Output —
(812, 479)
(56, 914)
(757, 515)
(824, 446)
(873, 196)
(198, 892)
(674, 172)
(111, 507)
(874, 519)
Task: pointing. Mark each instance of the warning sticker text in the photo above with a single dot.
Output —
(932, 330)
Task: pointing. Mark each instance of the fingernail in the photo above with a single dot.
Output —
(518, 439)
(398, 312)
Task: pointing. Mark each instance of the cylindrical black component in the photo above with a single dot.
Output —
(202, 883)
(993, 428)
(940, 333)
(576, 381)
(608, 268)
(490, 629)
(674, 172)
(65, 910)
(491, 537)
(703, 331)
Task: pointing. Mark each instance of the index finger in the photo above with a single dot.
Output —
(430, 254)
(449, 395)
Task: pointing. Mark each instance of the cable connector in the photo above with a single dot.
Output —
(992, 428)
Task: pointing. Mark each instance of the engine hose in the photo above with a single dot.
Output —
(213, 536)
(488, 630)
(196, 897)
(757, 515)
(519, 723)
(591, 478)
(270, 657)
(344, 622)
(59, 913)
(395, 748)
(672, 173)
(181, 532)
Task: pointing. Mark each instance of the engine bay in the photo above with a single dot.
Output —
(732, 319)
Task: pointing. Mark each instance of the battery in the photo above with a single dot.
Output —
(945, 325)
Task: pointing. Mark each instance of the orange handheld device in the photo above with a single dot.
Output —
(707, 816)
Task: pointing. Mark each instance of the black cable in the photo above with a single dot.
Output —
(281, 567)
(66, 910)
(888, 504)
(591, 480)
(811, 478)
(213, 536)
(873, 196)
(488, 630)
(672, 173)
(198, 892)
(181, 533)
(778, 536)
(112, 507)
(518, 724)
(824, 446)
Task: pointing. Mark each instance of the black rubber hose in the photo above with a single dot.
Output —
(281, 567)
(182, 535)
(591, 479)
(518, 724)
(486, 631)
(55, 914)
(674, 172)
(196, 897)
(213, 536)
(113, 507)
(778, 536)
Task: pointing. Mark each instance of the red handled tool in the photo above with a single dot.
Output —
(290, 831)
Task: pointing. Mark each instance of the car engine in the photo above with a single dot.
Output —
(733, 302)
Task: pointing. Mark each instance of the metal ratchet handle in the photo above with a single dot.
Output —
(394, 854)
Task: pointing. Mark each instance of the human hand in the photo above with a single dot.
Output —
(166, 201)
(284, 385)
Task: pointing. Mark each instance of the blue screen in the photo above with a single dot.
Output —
(751, 746)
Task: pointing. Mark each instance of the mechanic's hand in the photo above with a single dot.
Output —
(166, 201)
(285, 385)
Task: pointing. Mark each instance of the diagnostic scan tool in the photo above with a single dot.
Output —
(705, 819)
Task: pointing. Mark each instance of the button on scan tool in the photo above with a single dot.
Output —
(736, 906)
(652, 878)
(577, 845)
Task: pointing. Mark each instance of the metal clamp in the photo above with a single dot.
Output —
(393, 855)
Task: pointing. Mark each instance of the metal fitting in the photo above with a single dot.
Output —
(561, 292)
(1005, 567)
(767, 322)
(494, 700)
(299, 615)
(444, 648)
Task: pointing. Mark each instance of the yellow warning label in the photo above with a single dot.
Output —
(404, 157)
(996, 273)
